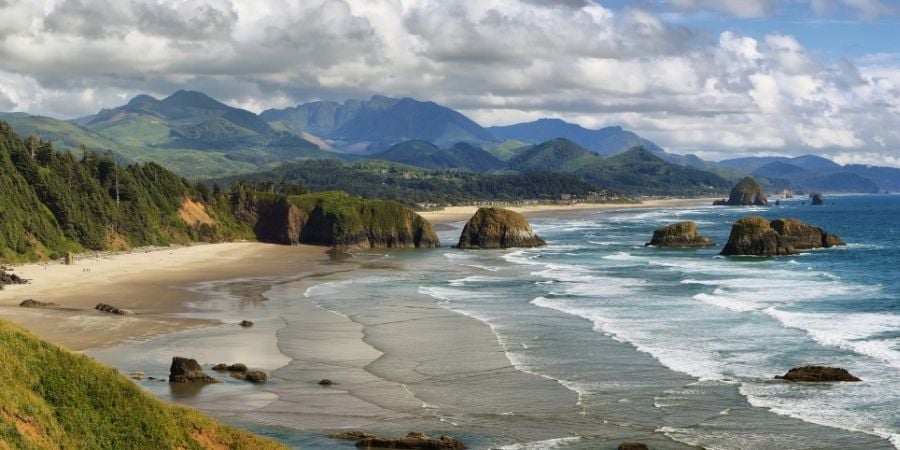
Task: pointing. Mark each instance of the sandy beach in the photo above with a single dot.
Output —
(149, 282)
(461, 213)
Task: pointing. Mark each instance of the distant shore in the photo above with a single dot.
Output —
(461, 213)
(151, 282)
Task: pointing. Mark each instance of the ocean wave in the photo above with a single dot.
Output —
(549, 444)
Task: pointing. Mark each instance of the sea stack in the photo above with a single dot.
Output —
(679, 235)
(497, 228)
(746, 192)
(755, 236)
(816, 199)
(817, 374)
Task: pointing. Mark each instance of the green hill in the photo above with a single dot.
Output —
(51, 398)
(640, 171)
(427, 155)
(558, 155)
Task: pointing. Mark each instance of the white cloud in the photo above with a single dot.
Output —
(500, 61)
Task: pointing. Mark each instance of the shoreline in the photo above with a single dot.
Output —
(453, 214)
(153, 283)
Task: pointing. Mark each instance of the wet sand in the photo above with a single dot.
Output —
(149, 282)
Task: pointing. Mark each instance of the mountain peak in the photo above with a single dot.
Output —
(195, 99)
(142, 99)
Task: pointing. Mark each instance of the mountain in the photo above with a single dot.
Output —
(887, 178)
(427, 155)
(557, 155)
(640, 171)
(379, 123)
(605, 141)
(815, 173)
(53, 398)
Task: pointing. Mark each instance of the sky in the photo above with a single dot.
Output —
(716, 78)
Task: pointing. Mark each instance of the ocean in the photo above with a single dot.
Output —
(604, 340)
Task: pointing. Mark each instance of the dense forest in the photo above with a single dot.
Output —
(412, 186)
(55, 202)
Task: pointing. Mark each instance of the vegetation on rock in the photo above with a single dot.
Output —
(680, 235)
(497, 228)
(754, 235)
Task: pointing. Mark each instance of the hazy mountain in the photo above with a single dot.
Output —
(815, 173)
(427, 155)
(380, 122)
(887, 178)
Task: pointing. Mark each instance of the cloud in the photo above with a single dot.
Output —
(498, 61)
(739, 8)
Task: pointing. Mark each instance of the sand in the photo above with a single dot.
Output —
(462, 213)
(150, 282)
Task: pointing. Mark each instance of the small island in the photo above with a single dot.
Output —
(755, 236)
(746, 192)
(498, 228)
(679, 235)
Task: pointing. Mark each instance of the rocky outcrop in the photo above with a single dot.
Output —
(679, 235)
(803, 236)
(415, 441)
(242, 372)
(325, 382)
(246, 323)
(754, 236)
(31, 303)
(816, 199)
(350, 435)
(186, 370)
(334, 219)
(497, 228)
(10, 278)
(817, 374)
(746, 192)
(113, 310)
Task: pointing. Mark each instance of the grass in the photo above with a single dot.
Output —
(52, 398)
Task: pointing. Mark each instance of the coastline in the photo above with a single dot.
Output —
(150, 282)
(452, 214)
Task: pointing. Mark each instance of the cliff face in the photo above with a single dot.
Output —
(746, 192)
(496, 228)
(334, 219)
(755, 236)
(680, 235)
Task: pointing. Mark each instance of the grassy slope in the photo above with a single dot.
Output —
(51, 398)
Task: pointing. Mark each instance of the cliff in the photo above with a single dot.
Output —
(746, 192)
(334, 219)
(51, 398)
(496, 228)
(755, 236)
(679, 235)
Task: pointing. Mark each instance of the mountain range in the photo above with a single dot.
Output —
(198, 136)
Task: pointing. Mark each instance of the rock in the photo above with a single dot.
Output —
(256, 376)
(112, 309)
(497, 228)
(350, 435)
(803, 236)
(138, 376)
(31, 303)
(816, 199)
(817, 374)
(680, 235)
(746, 192)
(416, 441)
(246, 323)
(326, 382)
(754, 236)
(633, 446)
(237, 367)
(70, 259)
(185, 370)
(10, 278)
(221, 367)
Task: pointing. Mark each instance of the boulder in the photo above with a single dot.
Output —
(754, 236)
(221, 367)
(256, 376)
(817, 374)
(680, 235)
(237, 367)
(10, 278)
(114, 310)
(746, 192)
(816, 199)
(326, 382)
(415, 441)
(31, 303)
(186, 370)
(633, 446)
(246, 323)
(497, 228)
